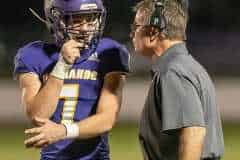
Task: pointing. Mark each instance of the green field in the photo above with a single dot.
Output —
(123, 142)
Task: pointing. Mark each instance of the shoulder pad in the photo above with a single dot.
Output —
(32, 58)
(114, 56)
(106, 44)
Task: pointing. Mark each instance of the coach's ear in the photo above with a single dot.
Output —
(153, 33)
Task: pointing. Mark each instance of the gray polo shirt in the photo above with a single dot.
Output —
(181, 95)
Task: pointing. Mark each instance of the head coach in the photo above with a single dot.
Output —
(180, 119)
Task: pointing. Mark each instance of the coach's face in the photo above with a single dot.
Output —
(138, 33)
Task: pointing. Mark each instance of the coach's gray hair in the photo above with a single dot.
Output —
(175, 13)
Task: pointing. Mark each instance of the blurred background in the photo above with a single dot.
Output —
(213, 39)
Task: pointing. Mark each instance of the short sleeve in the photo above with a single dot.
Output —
(21, 65)
(114, 60)
(181, 105)
(32, 58)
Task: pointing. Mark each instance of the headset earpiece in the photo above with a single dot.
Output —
(157, 19)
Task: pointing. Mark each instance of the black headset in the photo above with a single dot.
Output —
(157, 18)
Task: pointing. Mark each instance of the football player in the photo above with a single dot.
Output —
(72, 88)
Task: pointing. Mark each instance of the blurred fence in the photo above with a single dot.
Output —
(228, 93)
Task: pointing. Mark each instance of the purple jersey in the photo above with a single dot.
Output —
(80, 93)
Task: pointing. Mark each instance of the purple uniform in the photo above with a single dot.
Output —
(80, 93)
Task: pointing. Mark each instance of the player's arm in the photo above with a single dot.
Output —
(40, 100)
(191, 143)
(108, 108)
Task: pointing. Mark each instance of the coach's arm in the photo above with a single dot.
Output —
(191, 143)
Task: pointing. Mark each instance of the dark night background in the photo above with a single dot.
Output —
(213, 39)
(213, 31)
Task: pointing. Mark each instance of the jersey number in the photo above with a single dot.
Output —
(70, 94)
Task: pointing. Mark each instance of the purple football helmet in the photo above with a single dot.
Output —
(65, 18)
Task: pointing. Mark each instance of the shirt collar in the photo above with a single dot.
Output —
(176, 49)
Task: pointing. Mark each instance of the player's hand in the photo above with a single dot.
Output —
(71, 51)
(46, 133)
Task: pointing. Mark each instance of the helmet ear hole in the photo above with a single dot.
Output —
(51, 30)
(50, 25)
